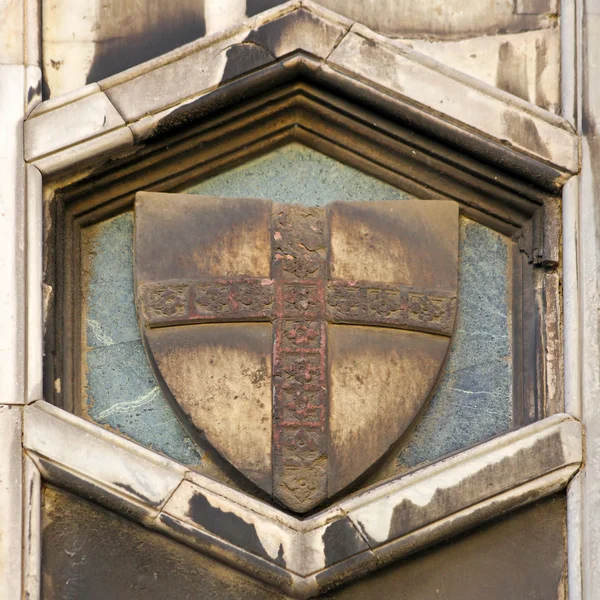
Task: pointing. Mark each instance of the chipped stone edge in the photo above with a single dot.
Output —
(120, 139)
(302, 536)
(32, 531)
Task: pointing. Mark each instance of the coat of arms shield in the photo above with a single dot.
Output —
(301, 342)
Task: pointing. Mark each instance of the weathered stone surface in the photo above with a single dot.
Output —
(408, 243)
(178, 86)
(232, 238)
(224, 243)
(436, 19)
(119, 389)
(404, 507)
(94, 150)
(77, 447)
(220, 375)
(582, 241)
(169, 83)
(473, 401)
(305, 557)
(375, 373)
(32, 530)
(107, 268)
(35, 327)
(229, 55)
(297, 174)
(12, 29)
(87, 43)
(94, 554)
(299, 548)
(94, 115)
(74, 95)
(422, 252)
(33, 83)
(12, 233)
(553, 341)
(115, 547)
(244, 529)
(524, 64)
(529, 545)
(535, 7)
(370, 263)
(96, 130)
(219, 16)
(408, 75)
(11, 498)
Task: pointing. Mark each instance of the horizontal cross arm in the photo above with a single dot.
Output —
(376, 304)
(207, 301)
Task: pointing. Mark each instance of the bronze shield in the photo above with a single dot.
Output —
(301, 342)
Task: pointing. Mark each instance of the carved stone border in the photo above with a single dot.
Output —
(105, 141)
(321, 80)
(180, 86)
(300, 557)
(372, 143)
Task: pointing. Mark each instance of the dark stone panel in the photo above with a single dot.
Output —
(341, 540)
(91, 554)
(227, 526)
(121, 49)
(520, 557)
(253, 7)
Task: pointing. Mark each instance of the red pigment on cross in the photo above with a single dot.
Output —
(299, 299)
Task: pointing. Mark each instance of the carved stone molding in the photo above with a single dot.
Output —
(303, 558)
(322, 80)
(300, 73)
(183, 86)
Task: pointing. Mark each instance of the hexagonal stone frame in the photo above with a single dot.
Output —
(300, 72)
(301, 557)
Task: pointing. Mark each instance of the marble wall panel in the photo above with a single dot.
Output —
(120, 389)
(87, 40)
(88, 552)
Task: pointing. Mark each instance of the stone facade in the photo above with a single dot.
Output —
(495, 107)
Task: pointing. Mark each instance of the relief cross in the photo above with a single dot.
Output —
(300, 299)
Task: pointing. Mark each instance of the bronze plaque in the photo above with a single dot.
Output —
(300, 342)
